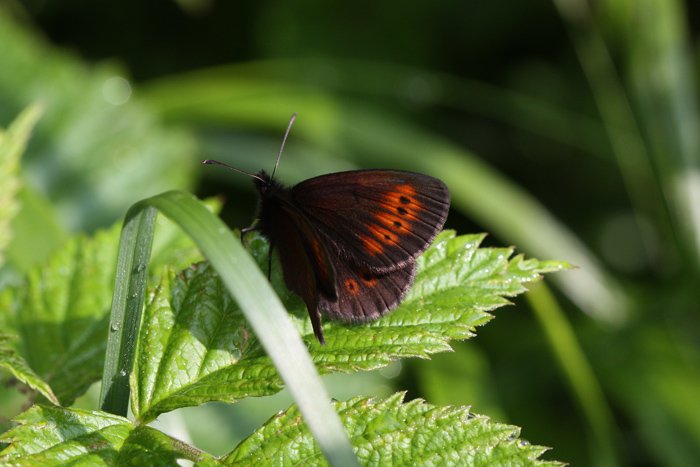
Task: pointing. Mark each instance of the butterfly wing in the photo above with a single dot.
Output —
(364, 296)
(306, 266)
(377, 219)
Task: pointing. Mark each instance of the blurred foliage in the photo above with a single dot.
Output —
(569, 132)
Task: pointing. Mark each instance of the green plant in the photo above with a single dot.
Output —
(567, 128)
(196, 344)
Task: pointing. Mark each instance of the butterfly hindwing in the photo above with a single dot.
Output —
(363, 295)
(377, 219)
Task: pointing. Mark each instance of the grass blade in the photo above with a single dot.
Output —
(127, 303)
(575, 366)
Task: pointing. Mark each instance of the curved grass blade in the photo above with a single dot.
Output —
(246, 283)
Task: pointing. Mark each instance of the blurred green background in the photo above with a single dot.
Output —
(566, 129)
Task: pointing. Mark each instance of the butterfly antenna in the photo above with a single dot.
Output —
(213, 162)
(289, 127)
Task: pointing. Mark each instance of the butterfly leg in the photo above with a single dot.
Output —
(269, 261)
(248, 229)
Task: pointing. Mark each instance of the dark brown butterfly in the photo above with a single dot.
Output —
(348, 241)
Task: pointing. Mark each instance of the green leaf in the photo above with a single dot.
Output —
(61, 314)
(196, 346)
(383, 433)
(57, 436)
(10, 360)
(392, 433)
(148, 446)
(13, 142)
(52, 436)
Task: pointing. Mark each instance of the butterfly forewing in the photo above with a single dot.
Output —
(377, 219)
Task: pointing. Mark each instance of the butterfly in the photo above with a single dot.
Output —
(348, 241)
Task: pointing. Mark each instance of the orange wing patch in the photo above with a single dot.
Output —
(393, 222)
(371, 245)
(351, 286)
(402, 200)
(383, 235)
(402, 208)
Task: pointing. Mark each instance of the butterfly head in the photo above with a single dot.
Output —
(265, 184)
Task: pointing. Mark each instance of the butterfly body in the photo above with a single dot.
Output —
(348, 241)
